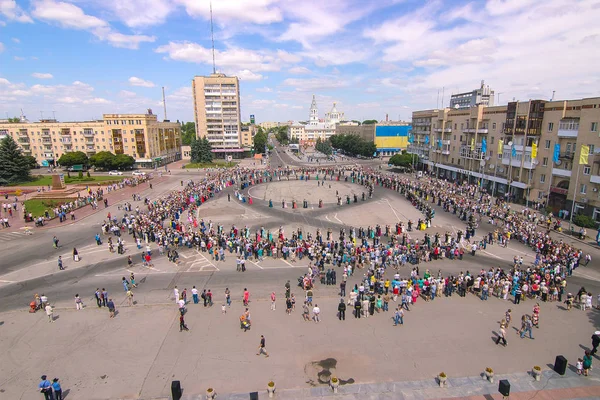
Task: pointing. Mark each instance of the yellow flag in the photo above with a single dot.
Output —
(583, 155)
(534, 150)
(500, 146)
(473, 144)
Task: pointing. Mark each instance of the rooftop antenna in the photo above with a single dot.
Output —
(212, 38)
(553, 92)
(164, 103)
(54, 115)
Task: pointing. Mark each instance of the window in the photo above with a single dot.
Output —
(545, 161)
(460, 138)
(499, 156)
(459, 161)
(454, 137)
(491, 154)
(455, 128)
(461, 126)
(592, 148)
(547, 144)
(594, 127)
(583, 188)
(492, 140)
(494, 126)
(550, 126)
(542, 178)
(586, 169)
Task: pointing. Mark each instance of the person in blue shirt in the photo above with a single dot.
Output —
(57, 389)
(45, 388)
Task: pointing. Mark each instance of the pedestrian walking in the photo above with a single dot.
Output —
(501, 335)
(316, 313)
(75, 255)
(246, 297)
(261, 347)
(57, 389)
(528, 326)
(111, 308)
(45, 388)
(132, 280)
(55, 242)
(129, 296)
(305, 315)
(587, 362)
(49, 312)
(399, 316)
(195, 294)
(182, 325)
(125, 284)
(60, 263)
(78, 302)
(273, 301)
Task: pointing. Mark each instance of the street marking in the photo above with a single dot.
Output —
(327, 218)
(252, 262)
(493, 255)
(335, 217)
(3, 281)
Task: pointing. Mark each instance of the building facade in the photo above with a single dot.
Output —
(308, 133)
(141, 136)
(390, 137)
(482, 96)
(217, 112)
(496, 147)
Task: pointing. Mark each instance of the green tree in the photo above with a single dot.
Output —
(31, 161)
(260, 141)
(103, 159)
(323, 146)
(15, 166)
(188, 133)
(401, 160)
(73, 158)
(282, 135)
(369, 122)
(123, 161)
(353, 145)
(14, 120)
(201, 151)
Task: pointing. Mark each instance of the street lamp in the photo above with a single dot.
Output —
(510, 145)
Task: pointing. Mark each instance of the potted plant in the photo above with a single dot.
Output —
(489, 374)
(210, 393)
(335, 383)
(271, 388)
(537, 373)
(442, 379)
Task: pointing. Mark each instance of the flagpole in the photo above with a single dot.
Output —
(574, 197)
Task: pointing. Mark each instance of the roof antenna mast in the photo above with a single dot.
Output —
(212, 37)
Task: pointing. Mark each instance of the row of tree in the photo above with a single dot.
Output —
(201, 151)
(323, 146)
(353, 145)
(102, 159)
(403, 160)
(15, 166)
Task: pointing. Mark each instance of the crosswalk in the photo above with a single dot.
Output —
(8, 236)
(197, 262)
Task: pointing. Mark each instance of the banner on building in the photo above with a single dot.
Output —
(473, 144)
(556, 155)
(534, 151)
(483, 146)
(584, 154)
(500, 146)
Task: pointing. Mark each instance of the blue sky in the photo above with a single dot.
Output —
(82, 58)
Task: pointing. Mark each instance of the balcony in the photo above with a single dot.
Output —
(567, 155)
(563, 133)
(90, 149)
(88, 133)
(23, 140)
(22, 132)
(46, 134)
(466, 152)
(595, 179)
(446, 142)
(565, 173)
(568, 128)
(65, 131)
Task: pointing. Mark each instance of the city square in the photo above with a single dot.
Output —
(141, 351)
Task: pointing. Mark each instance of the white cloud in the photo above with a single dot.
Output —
(299, 70)
(264, 90)
(253, 11)
(127, 94)
(247, 75)
(141, 13)
(42, 75)
(1, 47)
(96, 100)
(135, 81)
(230, 60)
(307, 85)
(72, 17)
(17, 58)
(372, 104)
(13, 12)
(16, 40)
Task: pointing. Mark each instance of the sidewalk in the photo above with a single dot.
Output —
(17, 223)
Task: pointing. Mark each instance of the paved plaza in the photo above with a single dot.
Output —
(137, 354)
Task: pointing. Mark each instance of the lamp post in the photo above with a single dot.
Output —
(510, 145)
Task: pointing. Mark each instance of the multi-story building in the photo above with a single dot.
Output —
(493, 147)
(308, 133)
(482, 96)
(142, 136)
(217, 112)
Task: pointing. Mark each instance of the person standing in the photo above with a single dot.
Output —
(97, 295)
(273, 301)
(587, 362)
(49, 312)
(104, 296)
(57, 389)
(111, 308)
(528, 326)
(261, 347)
(195, 294)
(60, 263)
(316, 313)
(176, 294)
(595, 342)
(125, 284)
(399, 316)
(129, 295)
(45, 388)
(78, 302)
(228, 297)
(508, 317)
(132, 280)
(75, 255)
(246, 297)
(357, 308)
(55, 242)
(305, 312)
(342, 310)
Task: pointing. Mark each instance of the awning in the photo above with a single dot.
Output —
(258, 156)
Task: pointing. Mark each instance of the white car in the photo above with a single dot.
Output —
(138, 173)
(115, 173)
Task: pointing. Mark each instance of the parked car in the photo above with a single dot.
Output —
(138, 173)
(115, 173)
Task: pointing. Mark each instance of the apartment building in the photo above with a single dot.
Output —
(493, 146)
(142, 136)
(482, 96)
(217, 113)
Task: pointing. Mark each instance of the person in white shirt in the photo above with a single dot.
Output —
(195, 295)
(176, 294)
(50, 313)
(316, 313)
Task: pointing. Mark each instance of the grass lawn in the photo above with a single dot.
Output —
(45, 180)
(215, 164)
(37, 206)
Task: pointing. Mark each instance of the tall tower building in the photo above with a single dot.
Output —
(314, 112)
(217, 111)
